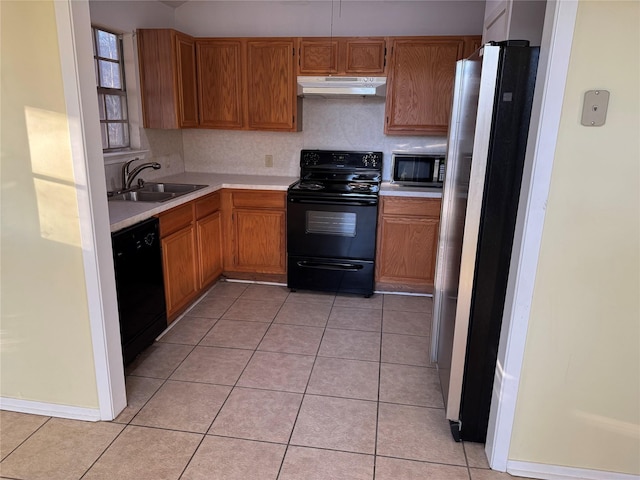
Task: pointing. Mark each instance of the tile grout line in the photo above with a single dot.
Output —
(304, 394)
(232, 387)
(165, 382)
(128, 423)
(27, 438)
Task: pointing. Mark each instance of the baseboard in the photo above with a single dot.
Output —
(556, 472)
(50, 409)
(252, 277)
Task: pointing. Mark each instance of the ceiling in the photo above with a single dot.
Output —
(173, 3)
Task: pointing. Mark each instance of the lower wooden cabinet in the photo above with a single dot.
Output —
(180, 281)
(242, 233)
(209, 238)
(191, 239)
(407, 244)
(255, 226)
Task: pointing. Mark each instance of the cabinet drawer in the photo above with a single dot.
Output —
(259, 199)
(175, 219)
(419, 207)
(207, 205)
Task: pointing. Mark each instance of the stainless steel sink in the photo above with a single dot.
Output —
(180, 188)
(155, 192)
(140, 196)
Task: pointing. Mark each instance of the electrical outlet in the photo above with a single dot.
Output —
(268, 160)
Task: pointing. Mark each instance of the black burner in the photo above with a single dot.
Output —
(310, 186)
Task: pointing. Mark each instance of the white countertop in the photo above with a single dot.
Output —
(395, 190)
(125, 214)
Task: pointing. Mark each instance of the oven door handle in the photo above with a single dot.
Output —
(325, 201)
(329, 266)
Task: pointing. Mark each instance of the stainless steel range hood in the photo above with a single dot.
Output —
(332, 87)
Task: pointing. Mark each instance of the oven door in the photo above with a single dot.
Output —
(332, 227)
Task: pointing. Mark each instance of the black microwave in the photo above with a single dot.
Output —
(417, 170)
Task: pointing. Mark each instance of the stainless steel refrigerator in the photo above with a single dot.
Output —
(485, 156)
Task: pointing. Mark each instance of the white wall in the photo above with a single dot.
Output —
(514, 20)
(315, 18)
(46, 353)
(579, 396)
(128, 15)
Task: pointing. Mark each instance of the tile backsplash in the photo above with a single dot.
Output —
(349, 124)
(333, 124)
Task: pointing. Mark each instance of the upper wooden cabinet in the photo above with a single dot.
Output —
(420, 83)
(271, 85)
(342, 56)
(167, 79)
(247, 83)
(220, 83)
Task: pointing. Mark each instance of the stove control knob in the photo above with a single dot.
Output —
(370, 159)
(311, 158)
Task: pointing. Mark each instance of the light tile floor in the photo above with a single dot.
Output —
(256, 382)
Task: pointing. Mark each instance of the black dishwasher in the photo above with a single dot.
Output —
(137, 260)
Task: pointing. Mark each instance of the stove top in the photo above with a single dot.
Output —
(332, 187)
(339, 173)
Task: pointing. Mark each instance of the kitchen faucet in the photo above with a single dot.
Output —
(128, 177)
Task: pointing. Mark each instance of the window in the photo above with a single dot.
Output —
(112, 95)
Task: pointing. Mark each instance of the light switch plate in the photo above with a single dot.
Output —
(594, 110)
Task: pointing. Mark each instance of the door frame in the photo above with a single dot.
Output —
(76, 58)
(557, 38)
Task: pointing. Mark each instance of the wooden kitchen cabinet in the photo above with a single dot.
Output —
(178, 243)
(255, 230)
(420, 83)
(407, 243)
(209, 239)
(168, 87)
(248, 84)
(342, 56)
(221, 82)
(191, 240)
(272, 102)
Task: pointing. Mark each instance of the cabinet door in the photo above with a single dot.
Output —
(259, 241)
(186, 77)
(408, 250)
(209, 235)
(167, 79)
(342, 56)
(364, 56)
(318, 56)
(220, 79)
(420, 86)
(157, 87)
(271, 84)
(179, 262)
